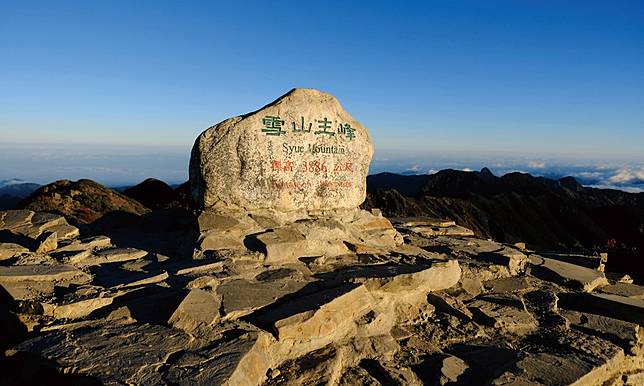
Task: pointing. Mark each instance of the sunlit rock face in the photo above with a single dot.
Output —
(300, 152)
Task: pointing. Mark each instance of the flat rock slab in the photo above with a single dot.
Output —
(483, 250)
(141, 354)
(32, 225)
(198, 309)
(509, 284)
(27, 282)
(624, 334)
(613, 306)
(431, 231)
(86, 244)
(197, 267)
(113, 255)
(81, 308)
(9, 250)
(283, 244)
(121, 278)
(243, 296)
(574, 276)
(506, 312)
(624, 289)
(436, 277)
(50, 273)
(421, 221)
(15, 218)
(588, 261)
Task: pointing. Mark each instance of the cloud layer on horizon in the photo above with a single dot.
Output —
(119, 166)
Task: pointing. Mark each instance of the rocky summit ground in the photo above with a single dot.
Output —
(287, 306)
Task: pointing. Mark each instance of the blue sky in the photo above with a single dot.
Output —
(436, 82)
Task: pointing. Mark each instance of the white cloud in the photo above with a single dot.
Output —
(627, 175)
(537, 165)
(590, 175)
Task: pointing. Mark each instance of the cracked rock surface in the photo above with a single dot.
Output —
(342, 298)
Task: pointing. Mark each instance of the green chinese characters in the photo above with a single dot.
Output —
(274, 126)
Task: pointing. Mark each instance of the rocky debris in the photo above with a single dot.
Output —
(82, 201)
(625, 334)
(434, 310)
(38, 273)
(597, 261)
(38, 232)
(86, 244)
(505, 312)
(428, 227)
(572, 275)
(47, 242)
(510, 260)
(113, 255)
(628, 290)
(301, 152)
(10, 250)
(331, 234)
(620, 307)
(26, 282)
(198, 309)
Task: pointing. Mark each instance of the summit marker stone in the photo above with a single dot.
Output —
(302, 152)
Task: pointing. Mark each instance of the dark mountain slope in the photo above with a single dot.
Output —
(81, 201)
(517, 207)
(11, 194)
(153, 193)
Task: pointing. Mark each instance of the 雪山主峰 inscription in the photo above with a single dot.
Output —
(274, 125)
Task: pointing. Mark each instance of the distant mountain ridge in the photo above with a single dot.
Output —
(12, 191)
(517, 207)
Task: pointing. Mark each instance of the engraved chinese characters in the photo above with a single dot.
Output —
(301, 152)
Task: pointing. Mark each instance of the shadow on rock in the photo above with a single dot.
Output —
(13, 330)
(170, 232)
(152, 304)
(25, 368)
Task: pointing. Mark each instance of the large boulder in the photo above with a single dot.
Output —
(302, 152)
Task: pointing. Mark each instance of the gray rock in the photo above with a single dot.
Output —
(86, 244)
(16, 218)
(47, 242)
(505, 312)
(143, 355)
(210, 220)
(26, 282)
(300, 152)
(240, 297)
(624, 334)
(9, 250)
(452, 367)
(198, 309)
(52, 273)
(574, 276)
(624, 289)
(283, 244)
(614, 306)
(112, 255)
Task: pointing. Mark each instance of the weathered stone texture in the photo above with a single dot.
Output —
(264, 160)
